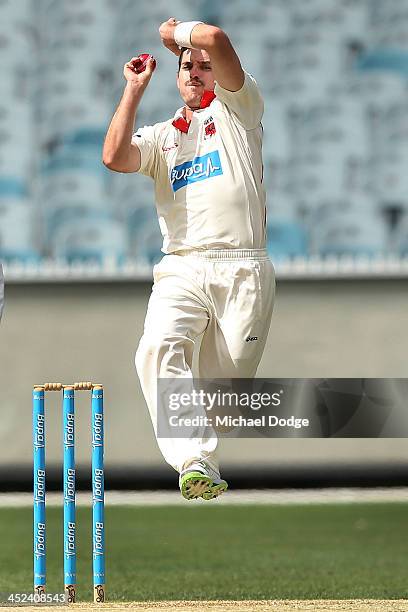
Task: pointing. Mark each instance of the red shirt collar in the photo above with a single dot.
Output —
(181, 124)
(206, 99)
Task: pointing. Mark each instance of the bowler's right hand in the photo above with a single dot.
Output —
(144, 77)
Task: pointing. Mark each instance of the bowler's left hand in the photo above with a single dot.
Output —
(166, 31)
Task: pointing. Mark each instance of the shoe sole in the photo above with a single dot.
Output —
(216, 490)
(194, 484)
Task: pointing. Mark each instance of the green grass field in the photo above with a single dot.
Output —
(224, 552)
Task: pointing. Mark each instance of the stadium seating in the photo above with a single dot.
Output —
(334, 77)
(17, 240)
(286, 240)
(90, 239)
(349, 228)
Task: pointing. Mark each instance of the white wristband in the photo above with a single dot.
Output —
(182, 33)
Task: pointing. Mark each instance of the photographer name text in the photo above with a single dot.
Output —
(239, 421)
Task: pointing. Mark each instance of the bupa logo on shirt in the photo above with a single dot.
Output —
(199, 169)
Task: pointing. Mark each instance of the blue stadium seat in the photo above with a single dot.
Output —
(384, 60)
(287, 239)
(149, 248)
(134, 194)
(16, 225)
(401, 237)
(390, 177)
(85, 137)
(352, 231)
(12, 188)
(315, 63)
(380, 87)
(91, 239)
(331, 127)
(320, 174)
(144, 234)
(276, 131)
(76, 109)
(70, 188)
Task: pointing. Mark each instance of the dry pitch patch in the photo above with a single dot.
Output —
(344, 605)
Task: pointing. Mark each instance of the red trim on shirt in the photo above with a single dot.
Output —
(206, 99)
(181, 124)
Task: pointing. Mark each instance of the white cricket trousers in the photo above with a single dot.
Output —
(226, 298)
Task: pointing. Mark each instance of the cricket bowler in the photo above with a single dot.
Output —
(215, 282)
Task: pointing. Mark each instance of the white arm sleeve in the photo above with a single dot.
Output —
(246, 103)
(145, 140)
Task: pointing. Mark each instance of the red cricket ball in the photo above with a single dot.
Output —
(139, 64)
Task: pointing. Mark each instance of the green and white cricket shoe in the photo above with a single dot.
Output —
(194, 484)
(217, 488)
(200, 480)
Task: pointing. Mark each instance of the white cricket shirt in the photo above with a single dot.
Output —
(208, 181)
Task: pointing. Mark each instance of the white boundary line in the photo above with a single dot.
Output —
(231, 498)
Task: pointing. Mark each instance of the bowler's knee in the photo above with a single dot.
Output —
(163, 351)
